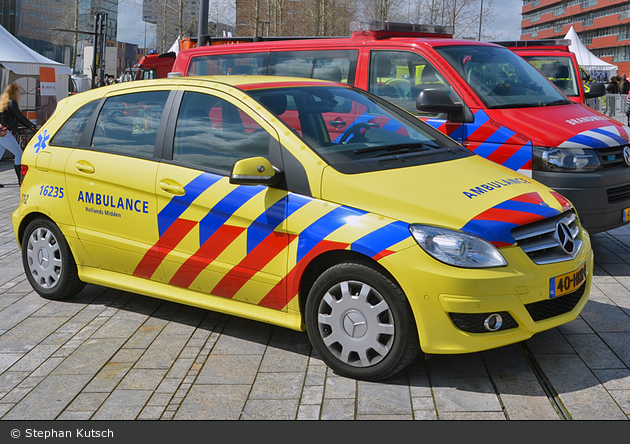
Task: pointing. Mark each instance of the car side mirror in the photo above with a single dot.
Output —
(596, 90)
(255, 171)
(437, 101)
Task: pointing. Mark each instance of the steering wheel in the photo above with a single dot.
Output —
(355, 130)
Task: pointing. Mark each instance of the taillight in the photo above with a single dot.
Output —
(23, 173)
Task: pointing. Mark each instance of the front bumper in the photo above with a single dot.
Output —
(434, 290)
(589, 193)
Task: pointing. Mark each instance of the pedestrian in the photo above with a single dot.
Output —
(625, 85)
(613, 86)
(10, 117)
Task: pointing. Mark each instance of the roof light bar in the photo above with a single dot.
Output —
(534, 43)
(398, 27)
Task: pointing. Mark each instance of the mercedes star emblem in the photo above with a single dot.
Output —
(564, 237)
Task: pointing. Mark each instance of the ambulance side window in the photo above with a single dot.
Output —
(399, 76)
(336, 66)
(213, 133)
(70, 133)
(128, 124)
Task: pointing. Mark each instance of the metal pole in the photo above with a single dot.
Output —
(480, 19)
(103, 45)
(94, 46)
(203, 20)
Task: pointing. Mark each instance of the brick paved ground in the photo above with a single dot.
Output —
(108, 354)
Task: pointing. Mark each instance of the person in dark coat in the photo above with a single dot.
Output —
(613, 86)
(10, 118)
(624, 87)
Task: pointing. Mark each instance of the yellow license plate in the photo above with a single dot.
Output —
(561, 285)
(626, 215)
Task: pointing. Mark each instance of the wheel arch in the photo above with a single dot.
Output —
(27, 220)
(328, 259)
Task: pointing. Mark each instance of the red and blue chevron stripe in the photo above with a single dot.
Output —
(496, 224)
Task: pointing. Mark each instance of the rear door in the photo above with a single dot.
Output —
(218, 238)
(111, 179)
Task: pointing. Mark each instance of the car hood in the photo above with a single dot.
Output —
(469, 194)
(566, 126)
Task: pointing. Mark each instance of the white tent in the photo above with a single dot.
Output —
(22, 65)
(586, 58)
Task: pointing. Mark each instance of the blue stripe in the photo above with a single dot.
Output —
(591, 142)
(520, 158)
(178, 204)
(491, 230)
(379, 240)
(486, 149)
(322, 227)
(458, 134)
(392, 126)
(616, 137)
(272, 217)
(223, 210)
(480, 118)
(526, 207)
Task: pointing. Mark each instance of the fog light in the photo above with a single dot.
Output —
(493, 322)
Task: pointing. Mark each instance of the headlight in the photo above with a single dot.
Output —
(564, 159)
(457, 248)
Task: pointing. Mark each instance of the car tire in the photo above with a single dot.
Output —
(48, 261)
(360, 322)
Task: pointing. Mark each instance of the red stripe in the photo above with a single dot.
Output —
(566, 205)
(260, 256)
(510, 147)
(208, 252)
(500, 244)
(510, 216)
(533, 198)
(482, 133)
(165, 244)
(378, 256)
(281, 295)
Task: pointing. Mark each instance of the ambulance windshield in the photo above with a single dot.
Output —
(500, 78)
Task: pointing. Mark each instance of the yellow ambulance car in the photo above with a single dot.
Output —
(303, 203)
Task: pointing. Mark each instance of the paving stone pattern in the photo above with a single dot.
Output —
(108, 354)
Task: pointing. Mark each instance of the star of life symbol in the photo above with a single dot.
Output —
(42, 141)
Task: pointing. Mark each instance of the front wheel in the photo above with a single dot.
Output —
(48, 261)
(360, 322)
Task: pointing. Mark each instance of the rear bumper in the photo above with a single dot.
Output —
(591, 194)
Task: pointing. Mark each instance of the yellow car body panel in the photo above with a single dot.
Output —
(186, 235)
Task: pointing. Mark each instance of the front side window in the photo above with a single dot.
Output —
(369, 134)
(500, 78)
(128, 124)
(69, 135)
(213, 133)
(335, 65)
(559, 70)
(399, 76)
(229, 64)
(148, 74)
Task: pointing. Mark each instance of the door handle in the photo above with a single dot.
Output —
(85, 167)
(171, 187)
(337, 123)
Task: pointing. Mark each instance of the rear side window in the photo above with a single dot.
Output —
(128, 124)
(336, 66)
(229, 64)
(213, 133)
(69, 135)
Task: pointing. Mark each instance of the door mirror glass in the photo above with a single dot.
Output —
(596, 90)
(255, 171)
(437, 101)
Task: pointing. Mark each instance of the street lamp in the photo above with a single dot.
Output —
(480, 19)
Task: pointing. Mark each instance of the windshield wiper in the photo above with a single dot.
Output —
(397, 147)
(558, 102)
(515, 105)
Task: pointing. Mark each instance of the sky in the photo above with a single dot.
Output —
(131, 28)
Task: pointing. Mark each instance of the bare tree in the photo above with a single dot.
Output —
(462, 15)
(175, 18)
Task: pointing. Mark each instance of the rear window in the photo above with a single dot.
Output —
(335, 66)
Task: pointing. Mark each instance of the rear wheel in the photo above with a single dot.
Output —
(48, 261)
(360, 322)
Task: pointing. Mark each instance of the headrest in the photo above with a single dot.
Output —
(276, 103)
(331, 73)
(383, 66)
(429, 75)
